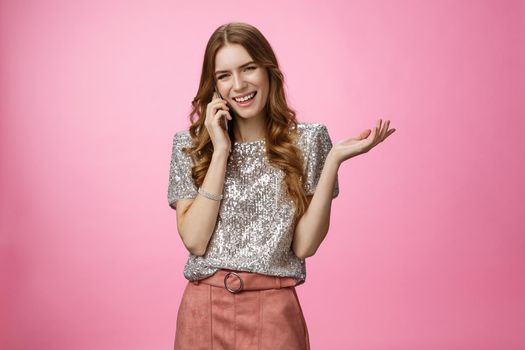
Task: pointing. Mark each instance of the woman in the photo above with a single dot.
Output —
(253, 190)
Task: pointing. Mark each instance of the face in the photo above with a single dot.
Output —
(237, 75)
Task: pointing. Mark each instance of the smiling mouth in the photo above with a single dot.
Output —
(244, 99)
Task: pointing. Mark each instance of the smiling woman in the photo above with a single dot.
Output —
(238, 194)
(253, 189)
(244, 84)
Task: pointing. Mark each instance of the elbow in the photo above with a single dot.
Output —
(305, 255)
(298, 251)
(197, 252)
(195, 248)
(192, 246)
(302, 254)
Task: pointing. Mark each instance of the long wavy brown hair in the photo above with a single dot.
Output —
(281, 122)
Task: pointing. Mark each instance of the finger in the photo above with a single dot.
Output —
(216, 120)
(221, 115)
(375, 138)
(212, 105)
(384, 130)
(216, 97)
(218, 105)
(219, 100)
(378, 133)
(390, 132)
(361, 136)
(370, 137)
(219, 120)
(224, 120)
(348, 139)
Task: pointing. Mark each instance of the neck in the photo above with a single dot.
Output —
(250, 129)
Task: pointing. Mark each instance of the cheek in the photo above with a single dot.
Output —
(261, 81)
(223, 89)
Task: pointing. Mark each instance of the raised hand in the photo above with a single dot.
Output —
(362, 143)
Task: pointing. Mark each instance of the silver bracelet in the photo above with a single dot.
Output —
(215, 197)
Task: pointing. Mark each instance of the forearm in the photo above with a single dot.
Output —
(313, 226)
(201, 217)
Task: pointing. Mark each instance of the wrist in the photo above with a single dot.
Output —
(333, 158)
(220, 155)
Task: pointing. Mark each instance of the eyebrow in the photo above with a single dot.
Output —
(224, 71)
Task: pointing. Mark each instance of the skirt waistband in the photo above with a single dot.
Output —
(237, 281)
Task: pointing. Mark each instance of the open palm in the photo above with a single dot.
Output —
(364, 142)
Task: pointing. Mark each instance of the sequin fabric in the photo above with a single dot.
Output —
(255, 227)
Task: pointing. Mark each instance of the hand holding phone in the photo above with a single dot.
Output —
(217, 116)
(223, 120)
(231, 110)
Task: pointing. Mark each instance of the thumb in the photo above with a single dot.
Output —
(364, 134)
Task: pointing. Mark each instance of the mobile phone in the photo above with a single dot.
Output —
(232, 112)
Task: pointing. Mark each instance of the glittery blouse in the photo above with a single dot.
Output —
(255, 227)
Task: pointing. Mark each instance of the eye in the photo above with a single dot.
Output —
(220, 77)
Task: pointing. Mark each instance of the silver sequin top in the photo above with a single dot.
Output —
(255, 228)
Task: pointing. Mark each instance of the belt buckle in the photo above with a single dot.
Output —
(228, 288)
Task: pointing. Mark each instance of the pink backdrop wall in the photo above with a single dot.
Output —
(426, 247)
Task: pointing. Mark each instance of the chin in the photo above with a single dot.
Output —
(245, 115)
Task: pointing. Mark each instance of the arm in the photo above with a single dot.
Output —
(196, 218)
(313, 226)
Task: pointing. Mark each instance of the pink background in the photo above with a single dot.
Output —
(426, 247)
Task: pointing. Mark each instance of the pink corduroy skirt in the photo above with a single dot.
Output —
(237, 310)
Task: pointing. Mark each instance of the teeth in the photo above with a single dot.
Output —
(246, 98)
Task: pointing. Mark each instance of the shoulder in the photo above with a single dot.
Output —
(310, 128)
(309, 132)
(182, 138)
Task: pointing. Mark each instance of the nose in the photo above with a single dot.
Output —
(238, 82)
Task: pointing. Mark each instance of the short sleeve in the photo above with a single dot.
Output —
(318, 146)
(180, 181)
